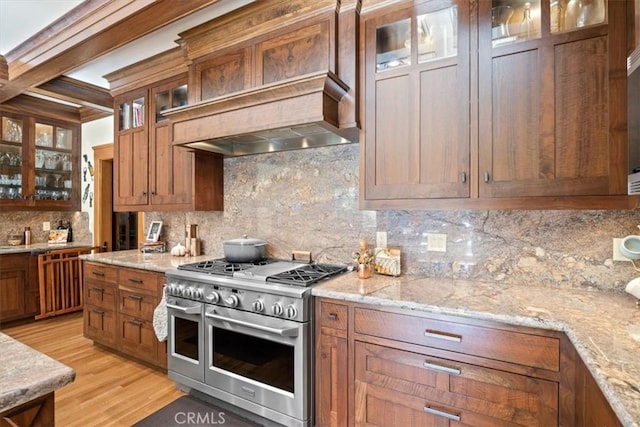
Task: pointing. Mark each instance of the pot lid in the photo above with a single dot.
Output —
(245, 241)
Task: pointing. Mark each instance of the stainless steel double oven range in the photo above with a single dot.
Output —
(243, 334)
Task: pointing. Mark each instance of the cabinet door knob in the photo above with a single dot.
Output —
(486, 176)
(144, 193)
(463, 177)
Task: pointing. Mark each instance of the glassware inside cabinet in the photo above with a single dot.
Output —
(438, 34)
(10, 171)
(393, 45)
(568, 15)
(64, 138)
(124, 116)
(11, 130)
(163, 102)
(515, 20)
(44, 135)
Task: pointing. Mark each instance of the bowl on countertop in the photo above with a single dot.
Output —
(14, 239)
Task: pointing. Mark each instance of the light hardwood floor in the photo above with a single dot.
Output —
(109, 390)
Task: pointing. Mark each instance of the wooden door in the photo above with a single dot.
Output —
(552, 109)
(13, 286)
(417, 94)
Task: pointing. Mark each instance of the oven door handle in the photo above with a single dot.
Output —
(287, 332)
(185, 310)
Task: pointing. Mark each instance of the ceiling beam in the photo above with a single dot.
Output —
(91, 30)
(77, 92)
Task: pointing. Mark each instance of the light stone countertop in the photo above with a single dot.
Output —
(26, 374)
(160, 262)
(604, 327)
(41, 247)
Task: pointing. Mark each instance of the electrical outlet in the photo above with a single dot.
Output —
(381, 239)
(436, 242)
(46, 226)
(617, 256)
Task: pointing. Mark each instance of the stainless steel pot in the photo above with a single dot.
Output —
(244, 249)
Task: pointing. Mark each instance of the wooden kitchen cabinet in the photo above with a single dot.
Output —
(388, 366)
(18, 288)
(460, 115)
(150, 173)
(119, 306)
(39, 163)
(331, 364)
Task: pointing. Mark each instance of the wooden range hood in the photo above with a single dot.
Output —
(272, 76)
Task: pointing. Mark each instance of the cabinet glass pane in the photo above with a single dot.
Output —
(179, 96)
(438, 34)
(137, 110)
(393, 45)
(163, 102)
(53, 175)
(11, 130)
(64, 137)
(44, 135)
(10, 171)
(568, 15)
(124, 116)
(515, 20)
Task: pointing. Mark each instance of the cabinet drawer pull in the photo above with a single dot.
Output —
(486, 176)
(430, 333)
(98, 289)
(433, 411)
(135, 297)
(463, 177)
(98, 273)
(138, 281)
(136, 322)
(442, 368)
(96, 311)
(332, 316)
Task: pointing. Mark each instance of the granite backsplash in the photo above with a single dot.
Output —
(308, 200)
(15, 223)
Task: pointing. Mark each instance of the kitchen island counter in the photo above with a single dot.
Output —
(41, 247)
(27, 374)
(604, 327)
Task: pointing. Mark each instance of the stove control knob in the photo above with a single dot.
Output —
(276, 309)
(181, 290)
(186, 292)
(213, 297)
(257, 306)
(172, 289)
(196, 293)
(232, 301)
(291, 311)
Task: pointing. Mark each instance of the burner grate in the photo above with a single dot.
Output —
(307, 274)
(221, 267)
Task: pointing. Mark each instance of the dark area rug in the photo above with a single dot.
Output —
(192, 412)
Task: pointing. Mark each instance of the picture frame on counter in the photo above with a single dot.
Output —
(154, 231)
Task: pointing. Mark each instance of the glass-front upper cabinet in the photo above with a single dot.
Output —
(435, 33)
(170, 98)
(518, 20)
(11, 154)
(131, 114)
(53, 162)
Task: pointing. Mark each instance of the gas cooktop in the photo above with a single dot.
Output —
(267, 270)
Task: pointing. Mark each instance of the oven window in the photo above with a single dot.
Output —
(186, 338)
(262, 360)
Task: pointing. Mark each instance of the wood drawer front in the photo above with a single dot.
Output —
(100, 324)
(102, 272)
(138, 338)
(139, 279)
(137, 304)
(100, 294)
(333, 316)
(406, 383)
(509, 346)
